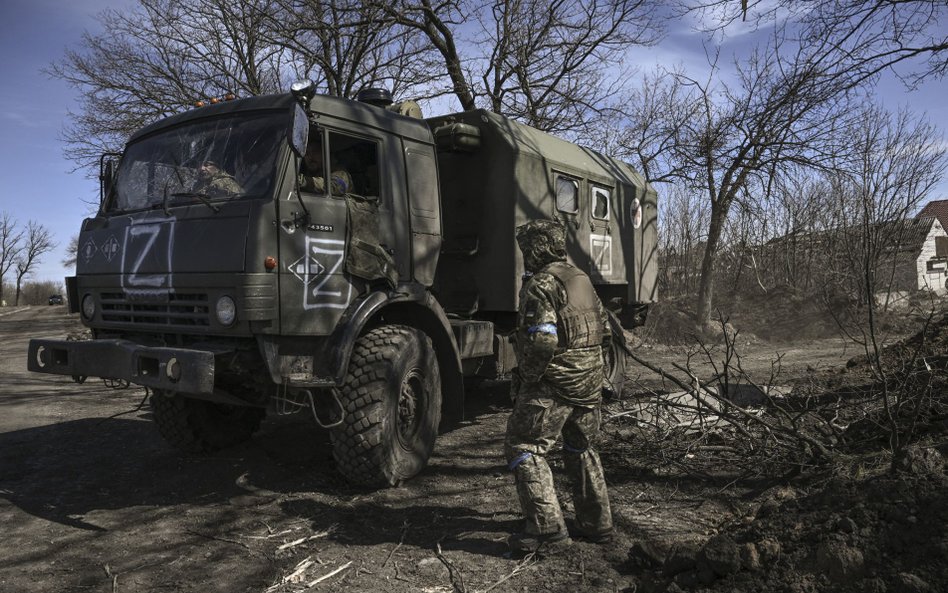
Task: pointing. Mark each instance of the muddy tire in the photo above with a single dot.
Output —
(197, 426)
(392, 400)
(615, 359)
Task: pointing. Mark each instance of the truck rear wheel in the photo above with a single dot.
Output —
(392, 400)
(198, 426)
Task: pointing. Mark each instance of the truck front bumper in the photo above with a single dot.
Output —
(173, 369)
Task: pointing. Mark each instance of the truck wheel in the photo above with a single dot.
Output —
(392, 398)
(198, 426)
(615, 361)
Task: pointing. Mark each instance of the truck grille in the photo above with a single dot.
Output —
(156, 308)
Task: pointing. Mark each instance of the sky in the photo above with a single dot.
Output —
(40, 184)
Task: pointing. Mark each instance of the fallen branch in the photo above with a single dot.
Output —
(302, 540)
(701, 393)
(293, 577)
(328, 575)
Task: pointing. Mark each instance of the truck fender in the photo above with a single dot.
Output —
(421, 311)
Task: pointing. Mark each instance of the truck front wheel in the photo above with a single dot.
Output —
(392, 402)
(197, 426)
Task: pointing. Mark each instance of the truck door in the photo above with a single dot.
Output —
(603, 246)
(315, 289)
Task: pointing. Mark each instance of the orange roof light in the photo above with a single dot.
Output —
(215, 100)
(199, 103)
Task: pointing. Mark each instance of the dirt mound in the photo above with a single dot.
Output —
(776, 316)
(780, 315)
(879, 533)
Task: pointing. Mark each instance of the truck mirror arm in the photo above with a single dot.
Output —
(304, 219)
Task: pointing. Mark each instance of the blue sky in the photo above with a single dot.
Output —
(40, 184)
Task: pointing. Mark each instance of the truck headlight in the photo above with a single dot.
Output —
(226, 310)
(88, 306)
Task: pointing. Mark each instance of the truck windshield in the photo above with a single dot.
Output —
(216, 159)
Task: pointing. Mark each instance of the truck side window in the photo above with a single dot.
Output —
(567, 194)
(354, 163)
(600, 203)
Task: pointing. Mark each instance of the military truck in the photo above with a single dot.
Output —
(368, 292)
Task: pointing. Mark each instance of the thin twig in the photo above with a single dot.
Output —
(457, 581)
(220, 539)
(400, 542)
(528, 560)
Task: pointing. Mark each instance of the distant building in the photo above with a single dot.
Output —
(921, 253)
(938, 209)
(912, 255)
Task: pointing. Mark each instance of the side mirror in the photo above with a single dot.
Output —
(299, 131)
(106, 175)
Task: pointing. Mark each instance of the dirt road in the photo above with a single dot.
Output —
(91, 499)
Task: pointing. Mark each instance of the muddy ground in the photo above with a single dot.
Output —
(91, 499)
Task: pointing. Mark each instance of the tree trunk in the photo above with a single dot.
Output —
(706, 286)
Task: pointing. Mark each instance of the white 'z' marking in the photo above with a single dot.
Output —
(331, 251)
(151, 233)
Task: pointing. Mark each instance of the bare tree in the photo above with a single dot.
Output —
(870, 35)
(897, 159)
(72, 252)
(543, 62)
(782, 111)
(683, 222)
(10, 245)
(37, 242)
(659, 111)
(549, 62)
(160, 58)
(349, 45)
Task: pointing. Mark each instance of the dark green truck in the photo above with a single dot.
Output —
(367, 301)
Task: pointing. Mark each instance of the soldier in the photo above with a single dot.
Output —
(214, 182)
(561, 329)
(311, 178)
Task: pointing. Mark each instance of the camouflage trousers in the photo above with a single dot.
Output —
(532, 429)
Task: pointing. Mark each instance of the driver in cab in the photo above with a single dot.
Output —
(214, 182)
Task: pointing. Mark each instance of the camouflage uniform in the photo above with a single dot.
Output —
(561, 328)
(218, 184)
(341, 183)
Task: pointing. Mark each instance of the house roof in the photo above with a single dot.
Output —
(906, 235)
(938, 209)
(897, 236)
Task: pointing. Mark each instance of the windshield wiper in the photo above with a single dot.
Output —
(203, 197)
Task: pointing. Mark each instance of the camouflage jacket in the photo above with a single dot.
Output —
(572, 375)
(341, 183)
(221, 184)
